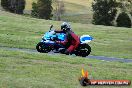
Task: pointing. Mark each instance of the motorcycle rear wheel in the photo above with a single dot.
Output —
(83, 50)
(42, 48)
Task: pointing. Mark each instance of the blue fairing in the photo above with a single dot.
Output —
(59, 36)
(86, 38)
(48, 36)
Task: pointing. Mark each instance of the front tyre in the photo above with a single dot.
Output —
(42, 48)
(83, 50)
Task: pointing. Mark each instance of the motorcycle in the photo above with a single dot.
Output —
(48, 43)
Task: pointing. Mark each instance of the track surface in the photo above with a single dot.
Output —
(103, 58)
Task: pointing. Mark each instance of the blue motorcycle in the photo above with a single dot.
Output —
(48, 43)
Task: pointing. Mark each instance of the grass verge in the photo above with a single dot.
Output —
(25, 32)
(25, 70)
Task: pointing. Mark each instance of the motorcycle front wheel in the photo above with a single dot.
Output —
(42, 48)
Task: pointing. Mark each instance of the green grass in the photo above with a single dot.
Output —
(70, 5)
(78, 18)
(19, 69)
(73, 9)
(34, 70)
(25, 32)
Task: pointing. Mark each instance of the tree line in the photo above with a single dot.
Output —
(104, 11)
(43, 9)
(14, 6)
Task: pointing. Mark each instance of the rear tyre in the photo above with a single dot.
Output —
(83, 50)
(42, 48)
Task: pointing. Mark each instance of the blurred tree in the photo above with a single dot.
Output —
(5, 4)
(59, 9)
(14, 6)
(34, 11)
(126, 5)
(42, 9)
(126, 9)
(123, 20)
(17, 6)
(104, 11)
(45, 9)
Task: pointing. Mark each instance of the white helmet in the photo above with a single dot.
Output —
(65, 26)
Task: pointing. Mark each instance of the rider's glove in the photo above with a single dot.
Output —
(52, 32)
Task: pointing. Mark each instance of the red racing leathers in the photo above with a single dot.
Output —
(71, 42)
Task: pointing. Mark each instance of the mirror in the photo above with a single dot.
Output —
(51, 27)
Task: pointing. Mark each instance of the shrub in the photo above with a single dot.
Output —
(104, 11)
(34, 12)
(14, 6)
(123, 20)
(5, 4)
(42, 9)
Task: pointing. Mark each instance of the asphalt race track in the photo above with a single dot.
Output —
(103, 58)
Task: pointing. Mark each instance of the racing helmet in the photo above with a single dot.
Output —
(65, 26)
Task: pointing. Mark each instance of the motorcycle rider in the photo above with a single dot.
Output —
(72, 40)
